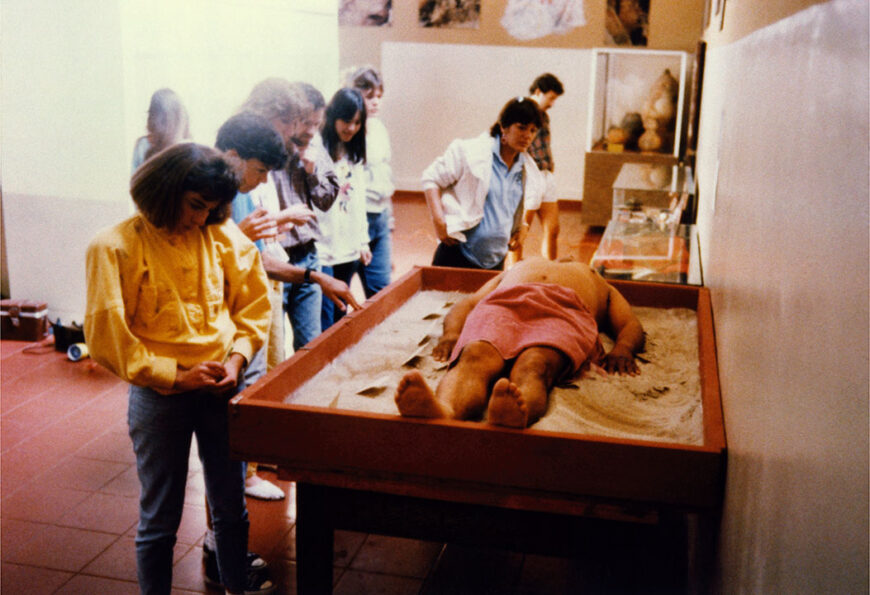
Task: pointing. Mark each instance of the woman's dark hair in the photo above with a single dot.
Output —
(253, 137)
(158, 186)
(344, 105)
(519, 110)
(167, 121)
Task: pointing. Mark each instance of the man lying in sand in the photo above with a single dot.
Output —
(524, 330)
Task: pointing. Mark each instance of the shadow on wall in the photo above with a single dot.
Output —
(4, 270)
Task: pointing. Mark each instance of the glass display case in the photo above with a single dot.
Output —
(646, 249)
(646, 191)
(636, 114)
(637, 100)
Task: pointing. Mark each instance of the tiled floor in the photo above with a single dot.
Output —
(69, 489)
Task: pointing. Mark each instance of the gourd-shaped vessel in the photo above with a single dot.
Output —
(658, 114)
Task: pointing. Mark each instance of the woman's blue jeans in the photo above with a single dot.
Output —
(376, 275)
(161, 427)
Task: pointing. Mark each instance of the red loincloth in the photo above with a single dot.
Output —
(514, 318)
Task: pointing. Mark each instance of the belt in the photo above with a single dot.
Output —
(300, 251)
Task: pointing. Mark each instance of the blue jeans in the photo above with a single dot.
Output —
(376, 275)
(343, 272)
(161, 427)
(452, 256)
(302, 303)
(256, 369)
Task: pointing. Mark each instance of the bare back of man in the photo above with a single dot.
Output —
(514, 391)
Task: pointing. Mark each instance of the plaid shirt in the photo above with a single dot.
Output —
(296, 186)
(540, 148)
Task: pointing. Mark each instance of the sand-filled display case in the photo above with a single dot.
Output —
(345, 456)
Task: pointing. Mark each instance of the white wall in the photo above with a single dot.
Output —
(435, 93)
(77, 79)
(785, 115)
(64, 157)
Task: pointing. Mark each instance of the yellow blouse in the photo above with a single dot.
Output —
(157, 301)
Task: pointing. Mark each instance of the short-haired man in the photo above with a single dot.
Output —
(545, 90)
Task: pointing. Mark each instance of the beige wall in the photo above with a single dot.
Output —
(674, 25)
(783, 170)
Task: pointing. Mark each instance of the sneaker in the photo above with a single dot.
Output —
(257, 567)
(259, 583)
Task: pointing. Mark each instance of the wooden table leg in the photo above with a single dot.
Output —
(314, 540)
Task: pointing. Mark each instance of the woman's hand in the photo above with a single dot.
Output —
(441, 232)
(436, 211)
(233, 369)
(205, 375)
(365, 256)
(519, 238)
(210, 376)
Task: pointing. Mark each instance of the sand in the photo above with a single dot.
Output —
(662, 403)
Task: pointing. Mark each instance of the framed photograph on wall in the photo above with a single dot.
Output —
(463, 14)
(532, 19)
(365, 13)
(626, 23)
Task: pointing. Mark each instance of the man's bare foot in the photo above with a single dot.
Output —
(506, 405)
(415, 399)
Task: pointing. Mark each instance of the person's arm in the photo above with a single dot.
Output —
(380, 174)
(436, 211)
(246, 292)
(333, 289)
(380, 179)
(518, 239)
(442, 173)
(455, 319)
(110, 341)
(628, 334)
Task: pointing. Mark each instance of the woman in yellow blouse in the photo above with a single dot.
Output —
(177, 305)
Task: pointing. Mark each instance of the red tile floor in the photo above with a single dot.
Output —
(69, 490)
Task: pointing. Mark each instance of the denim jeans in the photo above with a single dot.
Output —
(256, 368)
(376, 275)
(302, 302)
(452, 256)
(161, 427)
(330, 314)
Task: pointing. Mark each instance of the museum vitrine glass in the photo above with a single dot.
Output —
(637, 100)
(636, 115)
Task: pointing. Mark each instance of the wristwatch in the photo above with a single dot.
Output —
(307, 276)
